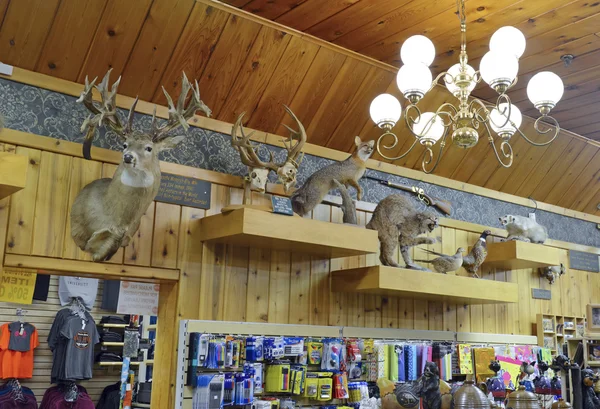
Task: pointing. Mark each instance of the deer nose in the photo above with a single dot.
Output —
(128, 158)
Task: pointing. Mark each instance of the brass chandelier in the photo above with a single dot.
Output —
(498, 68)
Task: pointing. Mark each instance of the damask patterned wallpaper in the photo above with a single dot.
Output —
(42, 112)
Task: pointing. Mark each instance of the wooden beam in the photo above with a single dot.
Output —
(56, 266)
(13, 173)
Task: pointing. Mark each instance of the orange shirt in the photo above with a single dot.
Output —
(15, 364)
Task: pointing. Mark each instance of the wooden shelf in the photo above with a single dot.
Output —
(112, 344)
(518, 255)
(151, 327)
(13, 173)
(383, 280)
(255, 228)
(112, 325)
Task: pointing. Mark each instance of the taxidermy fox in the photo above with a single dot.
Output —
(347, 173)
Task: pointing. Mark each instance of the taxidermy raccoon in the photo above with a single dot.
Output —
(524, 229)
(322, 181)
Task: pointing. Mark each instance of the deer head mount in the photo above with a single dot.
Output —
(258, 169)
(107, 212)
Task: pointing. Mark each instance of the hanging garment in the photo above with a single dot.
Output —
(15, 396)
(16, 350)
(54, 398)
(75, 287)
(111, 397)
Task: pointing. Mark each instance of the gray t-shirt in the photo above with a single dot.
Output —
(80, 338)
(20, 340)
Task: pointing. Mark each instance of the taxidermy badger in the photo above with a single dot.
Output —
(322, 181)
(524, 229)
(397, 221)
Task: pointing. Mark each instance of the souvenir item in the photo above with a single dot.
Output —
(470, 396)
(523, 399)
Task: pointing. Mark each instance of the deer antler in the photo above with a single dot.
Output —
(104, 112)
(247, 151)
(294, 150)
(180, 114)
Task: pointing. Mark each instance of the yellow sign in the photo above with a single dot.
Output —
(17, 286)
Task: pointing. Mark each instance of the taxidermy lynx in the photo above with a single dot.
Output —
(397, 221)
(322, 181)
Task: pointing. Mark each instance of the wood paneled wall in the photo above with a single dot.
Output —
(221, 282)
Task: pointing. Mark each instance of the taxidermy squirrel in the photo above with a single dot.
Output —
(524, 229)
(347, 172)
(397, 221)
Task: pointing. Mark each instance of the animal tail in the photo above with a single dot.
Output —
(423, 261)
(432, 252)
(298, 204)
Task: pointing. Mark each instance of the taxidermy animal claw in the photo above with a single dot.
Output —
(444, 263)
(107, 212)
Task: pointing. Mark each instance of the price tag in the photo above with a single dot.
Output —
(17, 286)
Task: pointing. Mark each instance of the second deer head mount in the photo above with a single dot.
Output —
(258, 169)
(107, 212)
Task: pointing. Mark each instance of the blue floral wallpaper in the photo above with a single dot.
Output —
(48, 113)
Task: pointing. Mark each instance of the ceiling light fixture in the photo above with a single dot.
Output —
(498, 68)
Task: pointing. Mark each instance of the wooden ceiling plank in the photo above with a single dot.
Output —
(520, 151)
(193, 51)
(271, 9)
(479, 31)
(113, 41)
(592, 206)
(24, 31)
(582, 191)
(255, 74)
(314, 87)
(237, 3)
(375, 83)
(3, 9)
(69, 38)
(354, 17)
(289, 74)
(568, 105)
(560, 168)
(589, 127)
(528, 184)
(335, 104)
(155, 45)
(225, 61)
(478, 158)
(311, 12)
(581, 113)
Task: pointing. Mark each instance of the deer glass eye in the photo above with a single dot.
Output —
(148, 148)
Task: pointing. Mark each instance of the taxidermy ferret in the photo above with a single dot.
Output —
(524, 229)
(552, 273)
(347, 172)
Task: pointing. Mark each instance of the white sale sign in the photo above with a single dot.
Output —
(138, 298)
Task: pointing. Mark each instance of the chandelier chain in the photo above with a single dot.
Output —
(461, 12)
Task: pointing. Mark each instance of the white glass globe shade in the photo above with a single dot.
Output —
(498, 66)
(451, 75)
(414, 77)
(545, 88)
(417, 49)
(385, 109)
(430, 126)
(498, 119)
(508, 40)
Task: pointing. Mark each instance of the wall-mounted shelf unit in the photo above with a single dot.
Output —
(254, 228)
(554, 330)
(517, 255)
(112, 344)
(382, 280)
(13, 173)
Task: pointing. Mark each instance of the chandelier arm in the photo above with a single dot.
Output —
(428, 154)
(505, 148)
(435, 81)
(450, 115)
(487, 118)
(536, 126)
(410, 121)
(379, 150)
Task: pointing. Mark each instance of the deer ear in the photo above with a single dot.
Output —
(169, 143)
(357, 140)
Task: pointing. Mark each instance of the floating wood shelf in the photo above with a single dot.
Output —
(112, 344)
(13, 173)
(255, 228)
(112, 325)
(517, 255)
(383, 280)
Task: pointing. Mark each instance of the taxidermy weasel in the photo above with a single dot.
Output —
(524, 229)
(322, 181)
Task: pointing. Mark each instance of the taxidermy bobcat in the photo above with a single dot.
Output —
(322, 181)
(397, 221)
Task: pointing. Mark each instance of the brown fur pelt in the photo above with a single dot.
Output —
(397, 221)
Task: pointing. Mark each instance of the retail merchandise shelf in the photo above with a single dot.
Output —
(255, 228)
(112, 344)
(517, 255)
(140, 405)
(112, 325)
(13, 173)
(110, 363)
(149, 362)
(382, 280)
(151, 327)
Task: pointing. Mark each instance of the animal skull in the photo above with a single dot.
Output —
(258, 179)
(287, 175)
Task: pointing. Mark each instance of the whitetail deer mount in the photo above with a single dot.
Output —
(107, 212)
(258, 170)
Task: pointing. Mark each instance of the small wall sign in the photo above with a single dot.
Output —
(541, 294)
(184, 191)
(17, 286)
(282, 205)
(579, 260)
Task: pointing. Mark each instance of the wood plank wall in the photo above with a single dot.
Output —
(220, 282)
